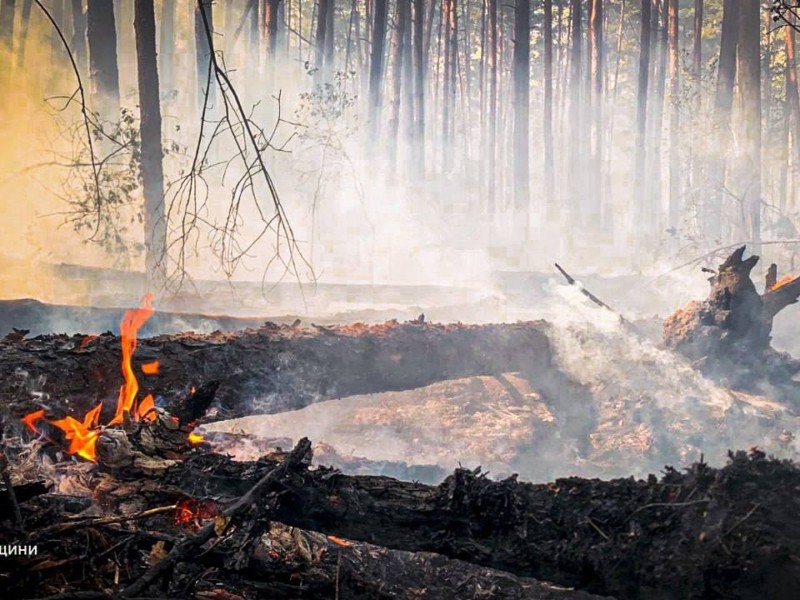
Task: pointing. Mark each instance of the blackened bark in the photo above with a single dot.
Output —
(272, 369)
(272, 19)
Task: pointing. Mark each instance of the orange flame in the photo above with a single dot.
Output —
(782, 282)
(82, 435)
(128, 329)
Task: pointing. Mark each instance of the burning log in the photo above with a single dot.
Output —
(728, 334)
(272, 369)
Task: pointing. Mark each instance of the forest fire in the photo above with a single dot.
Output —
(781, 282)
(82, 434)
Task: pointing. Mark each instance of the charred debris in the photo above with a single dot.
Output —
(146, 507)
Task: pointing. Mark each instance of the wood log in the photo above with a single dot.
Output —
(707, 532)
(272, 369)
(728, 334)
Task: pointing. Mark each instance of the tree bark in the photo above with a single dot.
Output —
(273, 369)
(102, 34)
(674, 120)
(419, 88)
(155, 226)
(25, 21)
(593, 205)
(522, 68)
(398, 68)
(272, 19)
(78, 42)
(576, 111)
(642, 210)
(723, 101)
(549, 163)
(376, 66)
(748, 171)
(493, 66)
(166, 45)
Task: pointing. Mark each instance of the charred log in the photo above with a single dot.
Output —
(728, 334)
(272, 369)
(685, 536)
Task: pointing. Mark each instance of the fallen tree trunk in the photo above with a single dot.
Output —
(273, 369)
(722, 533)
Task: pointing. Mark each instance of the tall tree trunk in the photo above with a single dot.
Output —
(329, 36)
(576, 110)
(674, 119)
(723, 100)
(155, 227)
(419, 88)
(591, 213)
(492, 65)
(320, 39)
(549, 164)
(78, 42)
(25, 20)
(102, 34)
(166, 46)
(271, 21)
(8, 11)
(450, 23)
(401, 22)
(656, 118)
(205, 84)
(642, 209)
(749, 125)
(376, 65)
(791, 113)
(57, 11)
(522, 68)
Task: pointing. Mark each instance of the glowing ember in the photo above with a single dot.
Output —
(82, 435)
(191, 513)
(782, 282)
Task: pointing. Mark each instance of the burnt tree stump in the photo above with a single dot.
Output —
(728, 334)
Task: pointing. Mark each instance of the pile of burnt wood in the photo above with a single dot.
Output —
(162, 517)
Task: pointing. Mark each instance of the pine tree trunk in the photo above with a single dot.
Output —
(155, 228)
(401, 22)
(723, 101)
(674, 119)
(376, 65)
(641, 206)
(450, 18)
(102, 35)
(205, 82)
(271, 19)
(7, 13)
(25, 20)
(166, 46)
(78, 42)
(522, 67)
(749, 125)
(493, 67)
(57, 11)
(419, 88)
(576, 117)
(592, 211)
(549, 164)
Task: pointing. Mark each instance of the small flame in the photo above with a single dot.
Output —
(31, 419)
(782, 282)
(150, 368)
(128, 328)
(195, 438)
(82, 435)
